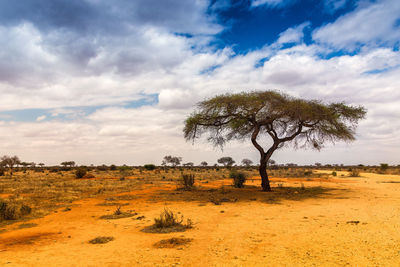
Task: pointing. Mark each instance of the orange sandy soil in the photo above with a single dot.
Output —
(292, 226)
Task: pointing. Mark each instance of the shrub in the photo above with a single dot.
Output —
(334, 173)
(113, 167)
(307, 173)
(2, 173)
(168, 219)
(149, 167)
(187, 181)
(354, 173)
(168, 222)
(13, 211)
(80, 172)
(384, 167)
(239, 178)
(102, 168)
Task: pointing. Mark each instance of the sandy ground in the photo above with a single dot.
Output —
(344, 221)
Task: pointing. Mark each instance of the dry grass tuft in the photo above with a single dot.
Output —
(101, 240)
(168, 222)
(172, 242)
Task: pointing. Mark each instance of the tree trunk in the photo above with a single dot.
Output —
(264, 176)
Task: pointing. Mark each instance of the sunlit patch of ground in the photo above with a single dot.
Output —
(310, 221)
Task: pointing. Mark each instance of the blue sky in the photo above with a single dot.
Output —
(112, 81)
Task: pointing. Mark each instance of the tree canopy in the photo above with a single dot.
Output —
(285, 119)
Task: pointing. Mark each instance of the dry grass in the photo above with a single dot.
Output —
(172, 242)
(101, 240)
(44, 190)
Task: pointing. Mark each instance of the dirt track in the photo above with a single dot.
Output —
(345, 221)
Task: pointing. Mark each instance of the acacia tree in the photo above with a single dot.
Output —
(285, 119)
(10, 162)
(174, 161)
(226, 161)
(247, 162)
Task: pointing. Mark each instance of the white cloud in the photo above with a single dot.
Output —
(371, 25)
(40, 118)
(293, 35)
(150, 59)
(270, 3)
(331, 6)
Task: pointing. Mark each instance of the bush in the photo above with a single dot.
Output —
(168, 219)
(80, 172)
(13, 211)
(113, 167)
(384, 167)
(354, 173)
(102, 168)
(239, 178)
(307, 173)
(2, 173)
(187, 181)
(334, 173)
(149, 167)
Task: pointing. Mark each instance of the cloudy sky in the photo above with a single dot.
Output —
(100, 81)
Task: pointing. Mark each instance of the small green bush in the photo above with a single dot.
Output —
(239, 178)
(149, 167)
(334, 173)
(80, 172)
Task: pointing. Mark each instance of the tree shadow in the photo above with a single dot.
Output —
(229, 194)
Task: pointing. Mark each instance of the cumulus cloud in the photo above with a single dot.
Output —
(293, 35)
(369, 25)
(48, 63)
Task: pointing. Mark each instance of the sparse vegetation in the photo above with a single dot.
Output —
(149, 167)
(11, 210)
(80, 172)
(354, 173)
(187, 181)
(101, 240)
(277, 115)
(172, 242)
(169, 222)
(239, 178)
(118, 214)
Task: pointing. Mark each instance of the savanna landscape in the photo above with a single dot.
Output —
(199, 133)
(313, 217)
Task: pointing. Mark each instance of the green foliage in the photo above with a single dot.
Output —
(239, 178)
(334, 173)
(284, 118)
(149, 167)
(80, 172)
(226, 161)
